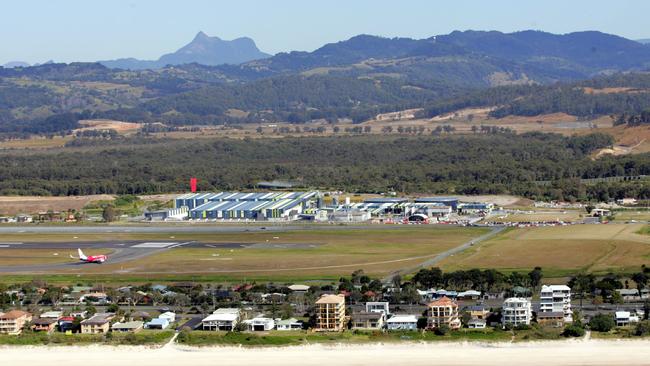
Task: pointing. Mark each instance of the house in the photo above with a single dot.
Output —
(52, 314)
(552, 319)
(288, 324)
(516, 311)
(378, 307)
(44, 324)
(443, 312)
(157, 323)
(128, 327)
(476, 324)
(299, 288)
(66, 323)
(600, 212)
(13, 321)
(478, 311)
(330, 313)
(469, 295)
(79, 314)
(260, 324)
(629, 294)
(402, 322)
(224, 319)
(625, 318)
(368, 320)
(171, 317)
(97, 324)
(95, 298)
(556, 298)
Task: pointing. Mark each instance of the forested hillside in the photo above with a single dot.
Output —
(501, 163)
(353, 79)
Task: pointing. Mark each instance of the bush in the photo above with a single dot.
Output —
(441, 330)
(602, 323)
(642, 329)
(573, 331)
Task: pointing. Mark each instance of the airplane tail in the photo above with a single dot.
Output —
(82, 256)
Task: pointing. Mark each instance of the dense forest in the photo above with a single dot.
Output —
(472, 164)
(629, 93)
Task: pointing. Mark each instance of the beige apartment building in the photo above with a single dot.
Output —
(14, 321)
(330, 313)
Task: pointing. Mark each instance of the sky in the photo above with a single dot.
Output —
(91, 30)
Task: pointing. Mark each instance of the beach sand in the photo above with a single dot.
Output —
(573, 352)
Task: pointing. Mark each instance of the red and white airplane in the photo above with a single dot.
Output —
(91, 259)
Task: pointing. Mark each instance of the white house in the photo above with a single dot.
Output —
(516, 311)
(378, 307)
(171, 317)
(222, 319)
(476, 324)
(288, 324)
(402, 322)
(556, 298)
(625, 318)
(260, 324)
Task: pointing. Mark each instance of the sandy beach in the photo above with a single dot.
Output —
(573, 352)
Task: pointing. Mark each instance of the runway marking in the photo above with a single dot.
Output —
(4, 246)
(153, 245)
(179, 244)
(10, 243)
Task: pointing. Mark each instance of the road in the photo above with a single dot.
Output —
(446, 254)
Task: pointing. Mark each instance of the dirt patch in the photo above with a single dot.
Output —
(101, 124)
(11, 205)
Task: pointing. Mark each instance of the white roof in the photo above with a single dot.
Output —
(556, 288)
(221, 317)
(226, 311)
(298, 287)
(470, 292)
(403, 319)
(52, 314)
(622, 314)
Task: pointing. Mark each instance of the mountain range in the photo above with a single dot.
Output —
(352, 79)
(203, 50)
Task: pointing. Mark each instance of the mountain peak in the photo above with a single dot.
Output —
(202, 36)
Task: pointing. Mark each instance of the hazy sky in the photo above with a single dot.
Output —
(89, 30)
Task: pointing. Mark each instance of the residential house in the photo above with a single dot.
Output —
(288, 324)
(402, 322)
(157, 323)
(556, 298)
(516, 311)
(260, 324)
(224, 319)
(171, 317)
(629, 294)
(97, 324)
(66, 323)
(378, 307)
(299, 288)
(368, 320)
(443, 312)
(478, 312)
(476, 324)
(469, 295)
(625, 318)
(330, 313)
(52, 314)
(13, 321)
(44, 324)
(128, 327)
(552, 319)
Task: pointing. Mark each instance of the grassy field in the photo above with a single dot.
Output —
(559, 250)
(538, 216)
(309, 254)
(145, 337)
(286, 338)
(632, 214)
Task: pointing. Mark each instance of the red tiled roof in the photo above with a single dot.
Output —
(444, 301)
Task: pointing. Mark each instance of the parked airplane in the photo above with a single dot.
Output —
(91, 259)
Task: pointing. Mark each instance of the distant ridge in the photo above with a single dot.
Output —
(644, 41)
(203, 49)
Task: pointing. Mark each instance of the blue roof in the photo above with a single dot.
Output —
(385, 200)
(436, 199)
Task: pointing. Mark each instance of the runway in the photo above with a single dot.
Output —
(121, 251)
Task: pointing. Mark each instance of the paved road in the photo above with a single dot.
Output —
(432, 261)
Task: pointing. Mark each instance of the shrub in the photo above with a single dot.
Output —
(573, 330)
(602, 323)
(642, 329)
(441, 330)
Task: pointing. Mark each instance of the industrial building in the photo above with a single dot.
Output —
(246, 206)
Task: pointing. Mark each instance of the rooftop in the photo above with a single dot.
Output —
(331, 299)
(443, 301)
(403, 319)
(14, 314)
